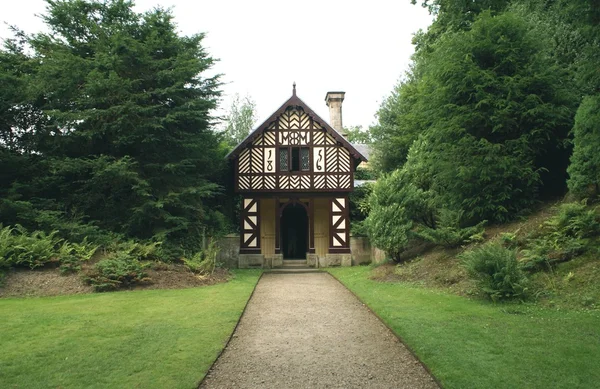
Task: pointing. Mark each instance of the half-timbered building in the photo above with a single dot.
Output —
(295, 172)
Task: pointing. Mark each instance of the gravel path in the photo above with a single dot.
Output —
(308, 331)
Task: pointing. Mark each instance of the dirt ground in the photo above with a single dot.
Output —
(308, 331)
(49, 282)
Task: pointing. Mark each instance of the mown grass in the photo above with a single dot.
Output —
(139, 339)
(474, 344)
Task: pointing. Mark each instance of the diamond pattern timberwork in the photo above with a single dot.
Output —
(339, 231)
(250, 234)
(294, 151)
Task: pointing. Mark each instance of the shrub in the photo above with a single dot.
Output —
(32, 249)
(359, 208)
(396, 206)
(564, 236)
(575, 220)
(21, 248)
(496, 271)
(203, 262)
(71, 255)
(509, 239)
(584, 170)
(116, 272)
(139, 250)
(6, 246)
(448, 232)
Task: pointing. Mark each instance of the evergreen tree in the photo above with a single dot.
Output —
(584, 170)
(124, 121)
(401, 118)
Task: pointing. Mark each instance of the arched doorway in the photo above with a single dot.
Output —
(294, 231)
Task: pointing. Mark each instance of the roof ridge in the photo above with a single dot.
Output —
(295, 100)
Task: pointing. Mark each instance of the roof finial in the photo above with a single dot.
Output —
(294, 91)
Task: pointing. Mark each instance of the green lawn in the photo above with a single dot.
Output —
(474, 344)
(139, 339)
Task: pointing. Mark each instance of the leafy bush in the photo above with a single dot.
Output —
(584, 170)
(359, 208)
(509, 239)
(564, 236)
(496, 270)
(71, 255)
(448, 232)
(21, 248)
(396, 205)
(6, 246)
(575, 220)
(18, 247)
(141, 251)
(205, 261)
(116, 272)
(36, 249)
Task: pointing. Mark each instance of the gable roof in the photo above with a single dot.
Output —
(363, 148)
(295, 101)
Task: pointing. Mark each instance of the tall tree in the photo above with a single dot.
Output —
(356, 134)
(126, 107)
(401, 118)
(240, 119)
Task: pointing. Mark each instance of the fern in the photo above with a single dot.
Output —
(496, 270)
(73, 254)
(203, 262)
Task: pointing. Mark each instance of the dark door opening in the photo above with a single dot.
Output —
(294, 232)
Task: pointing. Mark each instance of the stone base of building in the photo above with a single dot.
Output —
(312, 260)
(247, 261)
(332, 260)
(273, 261)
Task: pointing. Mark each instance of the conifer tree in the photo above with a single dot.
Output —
(126, 108)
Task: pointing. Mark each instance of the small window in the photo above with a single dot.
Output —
(295, 159)
(304, 162)
(283, 160)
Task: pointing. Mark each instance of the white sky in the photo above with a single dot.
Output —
(360, 47)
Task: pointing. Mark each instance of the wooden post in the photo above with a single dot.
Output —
(277, 227)
(311, 225)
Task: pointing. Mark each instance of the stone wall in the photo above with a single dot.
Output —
(362, 252)
(229, 250)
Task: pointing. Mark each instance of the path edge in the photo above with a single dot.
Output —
(410, 350)
(232, 332)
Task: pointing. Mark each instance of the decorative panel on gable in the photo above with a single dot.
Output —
(297, 155)
(294, 150)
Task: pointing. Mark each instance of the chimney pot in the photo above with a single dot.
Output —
(334, 102)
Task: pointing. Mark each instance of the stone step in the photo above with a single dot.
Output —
(294, 262)
(294, 270)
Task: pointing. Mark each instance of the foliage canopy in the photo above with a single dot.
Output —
(105, 123)
(481, 123)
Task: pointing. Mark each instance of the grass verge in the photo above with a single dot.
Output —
(141, 339)
(474, 344)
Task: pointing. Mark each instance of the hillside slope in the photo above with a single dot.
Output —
(571, 280)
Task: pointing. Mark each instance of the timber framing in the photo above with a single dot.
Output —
(295, 158)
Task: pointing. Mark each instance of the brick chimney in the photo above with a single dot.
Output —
(334, 102)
